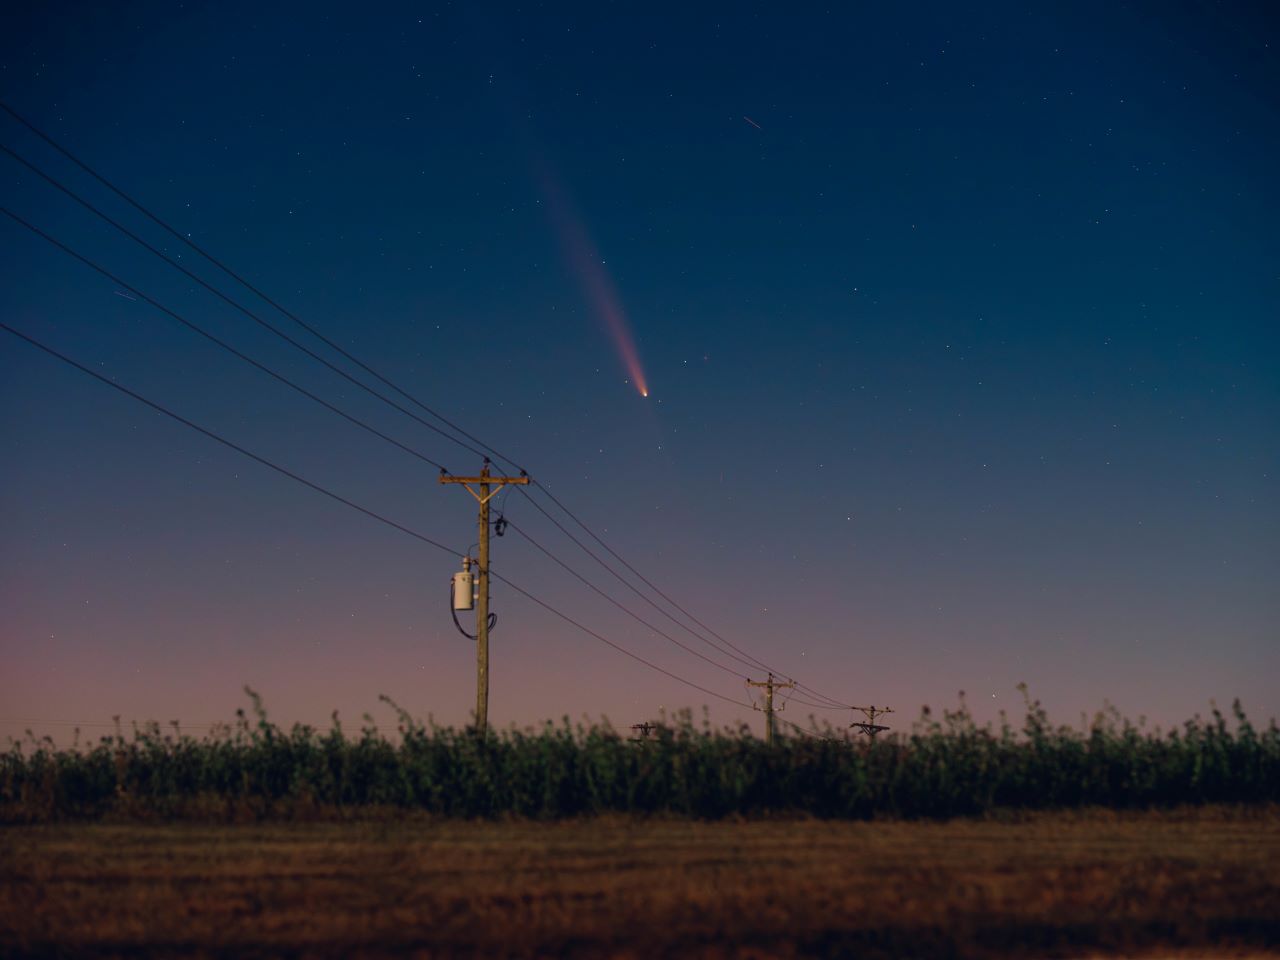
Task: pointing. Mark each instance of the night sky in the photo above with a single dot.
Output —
(958, 329)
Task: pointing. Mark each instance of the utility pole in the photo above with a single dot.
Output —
(488, 486)
(642, 731)
(769, 686)
(871, 728)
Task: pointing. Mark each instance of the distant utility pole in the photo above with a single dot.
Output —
(484, 494)
(769, 686)
(642, 731)
(871, 728)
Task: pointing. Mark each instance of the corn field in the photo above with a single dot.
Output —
(950, 767)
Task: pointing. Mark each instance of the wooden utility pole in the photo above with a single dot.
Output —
(769, 686)
(484, 494)
(871, 728)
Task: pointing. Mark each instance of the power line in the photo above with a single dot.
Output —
(817, 706)
(222, 296)
(652, 586)
(218, 342)
(635, 616)
(809, 733)
(354, 506)
(245, 283)
(633, 656)
(750, 660)
(224, 441)
(630, 586)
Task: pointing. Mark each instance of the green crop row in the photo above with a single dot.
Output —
(942, 768)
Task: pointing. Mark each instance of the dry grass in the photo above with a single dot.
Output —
(1098, 883)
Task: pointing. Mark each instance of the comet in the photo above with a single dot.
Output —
(597, 285)
(753, 123)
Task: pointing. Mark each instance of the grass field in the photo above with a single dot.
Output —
(1188, 882)
(943, 768)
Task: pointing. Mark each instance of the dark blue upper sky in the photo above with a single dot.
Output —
(959, 329)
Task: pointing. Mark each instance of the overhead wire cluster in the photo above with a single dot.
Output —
(721, 653)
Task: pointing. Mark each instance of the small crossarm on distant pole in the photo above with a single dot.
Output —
(870, 727)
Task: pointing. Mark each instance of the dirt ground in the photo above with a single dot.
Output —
(1191, 883)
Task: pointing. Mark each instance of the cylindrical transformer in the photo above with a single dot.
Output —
(464, 593)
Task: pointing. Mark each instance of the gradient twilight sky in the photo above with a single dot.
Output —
(961, 353)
